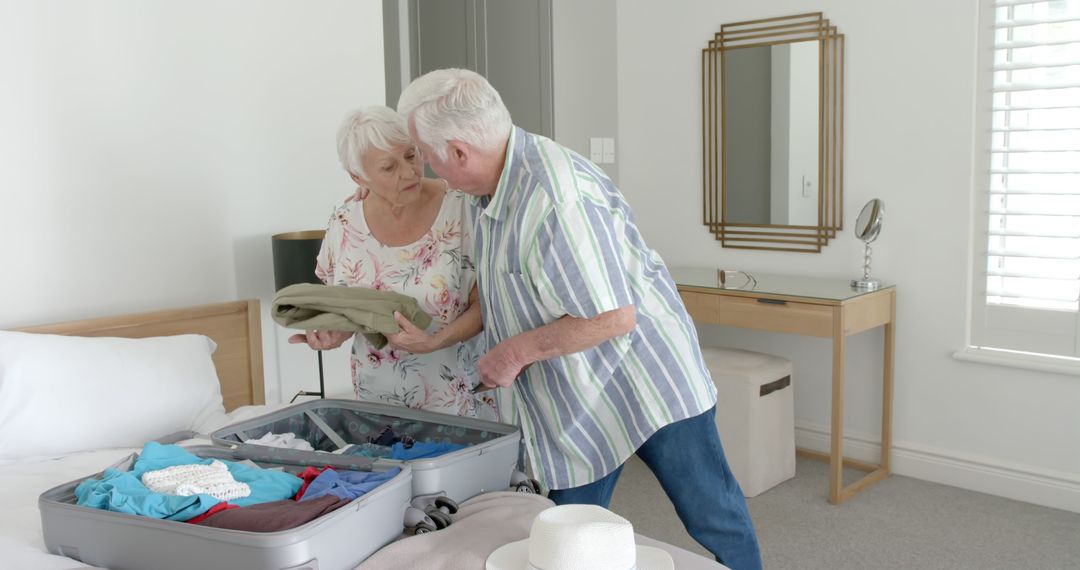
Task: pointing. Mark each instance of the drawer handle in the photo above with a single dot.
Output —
(772, 301)
(775, 385)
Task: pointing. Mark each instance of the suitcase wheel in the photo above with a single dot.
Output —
(531, 486)
(441, 519)
(446, 505)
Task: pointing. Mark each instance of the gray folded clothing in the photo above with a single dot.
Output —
(310, 306)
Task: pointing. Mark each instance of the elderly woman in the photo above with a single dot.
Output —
(403, 232)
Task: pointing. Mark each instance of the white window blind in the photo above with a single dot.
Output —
(1031, 299)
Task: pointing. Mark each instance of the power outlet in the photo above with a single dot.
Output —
(596, 150)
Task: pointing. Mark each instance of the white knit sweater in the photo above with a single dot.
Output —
(186, 480)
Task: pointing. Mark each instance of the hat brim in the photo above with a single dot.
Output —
(652, 558)
(515, 556)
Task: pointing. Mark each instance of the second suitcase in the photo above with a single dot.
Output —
(485, 464)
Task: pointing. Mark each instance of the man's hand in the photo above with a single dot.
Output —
(501, 365)
(411, 337)
(321, 340)
(567, 335)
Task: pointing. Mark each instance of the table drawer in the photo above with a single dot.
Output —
(764, 314)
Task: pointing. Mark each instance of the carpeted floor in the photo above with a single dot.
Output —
(900, 523)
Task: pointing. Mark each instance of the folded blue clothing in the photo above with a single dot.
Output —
(372, 450)
(423, 450)
(347, 484)
(123, 492)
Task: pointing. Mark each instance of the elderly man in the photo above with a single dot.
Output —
(580, 317)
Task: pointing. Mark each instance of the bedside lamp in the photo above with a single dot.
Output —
(295, 255)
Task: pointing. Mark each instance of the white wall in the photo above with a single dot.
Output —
(803, 133)
(150, 149)
(794, 133)
(583, 62)
(780, 193)
(909, 141)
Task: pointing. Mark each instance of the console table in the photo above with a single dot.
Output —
(828, 308)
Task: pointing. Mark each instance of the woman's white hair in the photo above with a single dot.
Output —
(455, 104)
(375, 126)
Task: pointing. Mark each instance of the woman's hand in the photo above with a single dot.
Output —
(412, 338)
(321, 340)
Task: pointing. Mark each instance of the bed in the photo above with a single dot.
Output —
(237, 370)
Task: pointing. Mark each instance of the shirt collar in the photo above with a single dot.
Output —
(495, 205)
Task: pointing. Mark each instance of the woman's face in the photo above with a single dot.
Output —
(394, 174)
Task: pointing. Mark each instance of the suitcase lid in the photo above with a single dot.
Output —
(331, 424)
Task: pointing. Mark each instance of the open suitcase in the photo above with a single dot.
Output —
(328, 425)
(118, 541)
(340, 539)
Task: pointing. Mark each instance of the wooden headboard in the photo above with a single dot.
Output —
(234, 326)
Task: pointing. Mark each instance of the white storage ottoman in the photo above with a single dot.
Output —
(755, 414)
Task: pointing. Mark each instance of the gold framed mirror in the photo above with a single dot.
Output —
(772, 97)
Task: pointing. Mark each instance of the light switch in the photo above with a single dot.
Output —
(596, 150)
(807, 187)
(609, 151)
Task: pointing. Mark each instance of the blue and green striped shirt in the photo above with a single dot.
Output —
(557, 238)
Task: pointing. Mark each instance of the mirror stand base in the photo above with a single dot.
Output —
(865, 284)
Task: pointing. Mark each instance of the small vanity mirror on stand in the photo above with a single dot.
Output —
(867, 228)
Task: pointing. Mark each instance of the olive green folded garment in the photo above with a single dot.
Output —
(369, 312)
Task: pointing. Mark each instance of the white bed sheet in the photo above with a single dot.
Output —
(20, 485)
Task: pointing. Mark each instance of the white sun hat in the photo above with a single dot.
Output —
(579, 537)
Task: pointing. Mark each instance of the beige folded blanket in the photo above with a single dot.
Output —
(369, 312)
(482, 524)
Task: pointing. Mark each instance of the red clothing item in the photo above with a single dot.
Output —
(222, 506)
(308, 475)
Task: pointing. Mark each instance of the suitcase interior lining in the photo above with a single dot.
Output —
(358, 427)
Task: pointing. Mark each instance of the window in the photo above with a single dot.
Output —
(1027, 249)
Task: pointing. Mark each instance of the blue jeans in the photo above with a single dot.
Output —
(689, 462)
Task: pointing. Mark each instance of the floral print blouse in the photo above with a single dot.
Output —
(438, 272)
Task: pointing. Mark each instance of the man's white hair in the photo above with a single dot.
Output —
(375, 126)
(455, 104)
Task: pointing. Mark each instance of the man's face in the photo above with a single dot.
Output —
(456, 174)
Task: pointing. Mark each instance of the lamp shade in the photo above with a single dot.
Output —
(295, 255)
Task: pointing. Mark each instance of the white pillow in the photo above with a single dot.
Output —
(62, 394)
